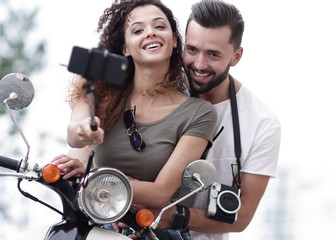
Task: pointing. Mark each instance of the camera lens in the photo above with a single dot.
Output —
(228, 202)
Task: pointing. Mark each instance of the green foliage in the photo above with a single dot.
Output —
(18, 52)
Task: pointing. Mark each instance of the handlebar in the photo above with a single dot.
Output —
(10, 163)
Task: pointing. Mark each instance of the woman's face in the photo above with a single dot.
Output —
(148, 36)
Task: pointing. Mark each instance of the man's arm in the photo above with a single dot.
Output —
(251, 193)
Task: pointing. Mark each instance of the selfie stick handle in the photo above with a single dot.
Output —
(93, 124)
(89, 88)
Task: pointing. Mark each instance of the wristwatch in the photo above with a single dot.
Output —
(178, 218)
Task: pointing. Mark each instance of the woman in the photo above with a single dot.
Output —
(172, 130)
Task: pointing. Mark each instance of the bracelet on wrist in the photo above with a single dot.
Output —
(181, 217)
(186, 216)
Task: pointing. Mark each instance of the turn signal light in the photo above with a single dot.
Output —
(144, 218)
(51, 173)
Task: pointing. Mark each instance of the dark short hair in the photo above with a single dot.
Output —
(216, 14)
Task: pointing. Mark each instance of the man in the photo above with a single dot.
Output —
(213, 44)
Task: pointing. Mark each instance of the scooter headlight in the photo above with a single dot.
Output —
(107, 196)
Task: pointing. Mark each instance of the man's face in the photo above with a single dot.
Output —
(207, 56)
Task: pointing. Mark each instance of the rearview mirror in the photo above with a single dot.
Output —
(202, 170)
(16, 90)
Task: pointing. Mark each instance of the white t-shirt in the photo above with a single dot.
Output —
(260, 142)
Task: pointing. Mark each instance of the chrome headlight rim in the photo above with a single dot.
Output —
(83, 204)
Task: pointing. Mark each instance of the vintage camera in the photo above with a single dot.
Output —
(224, 203)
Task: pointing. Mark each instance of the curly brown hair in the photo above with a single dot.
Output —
(110, 100)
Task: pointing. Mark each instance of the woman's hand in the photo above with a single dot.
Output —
(72, 167)
(81, 135)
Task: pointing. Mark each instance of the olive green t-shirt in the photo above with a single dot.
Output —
(193, 117)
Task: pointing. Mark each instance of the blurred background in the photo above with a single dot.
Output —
(288, 62)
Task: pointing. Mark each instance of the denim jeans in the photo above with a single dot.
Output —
(171, 234)
(174, 234)
(177, 234)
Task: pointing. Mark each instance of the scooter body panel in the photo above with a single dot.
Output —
(68, 231)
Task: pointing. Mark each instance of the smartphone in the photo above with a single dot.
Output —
(97, 64)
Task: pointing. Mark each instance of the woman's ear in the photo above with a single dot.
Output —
(174, 41)
(125, 52)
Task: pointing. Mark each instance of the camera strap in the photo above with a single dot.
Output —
(236, 129)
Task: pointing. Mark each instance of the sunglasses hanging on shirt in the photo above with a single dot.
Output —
(135, 137)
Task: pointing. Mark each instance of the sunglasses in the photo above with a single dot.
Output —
(135, 137)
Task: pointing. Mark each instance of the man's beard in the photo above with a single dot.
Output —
(197, 87)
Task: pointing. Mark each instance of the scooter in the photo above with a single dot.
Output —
(103, 196)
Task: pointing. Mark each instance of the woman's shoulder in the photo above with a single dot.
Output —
(194, 101)
(201, 117)
(199, 107)
(193, 108)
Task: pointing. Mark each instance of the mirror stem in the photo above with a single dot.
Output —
(196, 177)
(13, 96)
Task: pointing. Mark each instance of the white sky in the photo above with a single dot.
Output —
(288, 61)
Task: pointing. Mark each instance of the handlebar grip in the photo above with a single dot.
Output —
(10, 163)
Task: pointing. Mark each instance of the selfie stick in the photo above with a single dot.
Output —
(95, 65)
